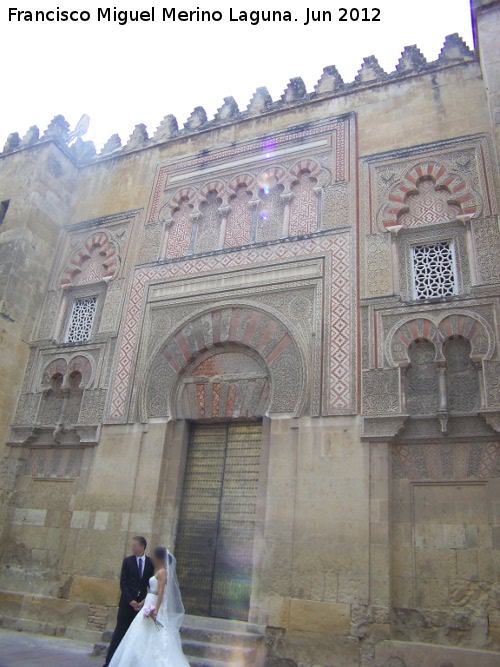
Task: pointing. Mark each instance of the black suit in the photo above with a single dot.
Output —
(132, 588)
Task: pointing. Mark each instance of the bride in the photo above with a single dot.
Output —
(153, 638)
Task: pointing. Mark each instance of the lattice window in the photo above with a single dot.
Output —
(433, 270)
(81, 320)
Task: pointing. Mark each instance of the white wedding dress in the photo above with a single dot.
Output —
(146, 646)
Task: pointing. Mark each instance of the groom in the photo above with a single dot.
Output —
(136, 572)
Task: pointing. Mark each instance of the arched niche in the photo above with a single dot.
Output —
(267, 351)
(428, 194)
(95, 260)
(227, 382)
(463, 324)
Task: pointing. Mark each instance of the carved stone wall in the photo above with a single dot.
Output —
(425, 188)
(379, 265)
(492, 376)
(445, 557)
(462, 382)
(239, 220)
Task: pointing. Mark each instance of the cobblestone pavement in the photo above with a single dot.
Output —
(23, 649)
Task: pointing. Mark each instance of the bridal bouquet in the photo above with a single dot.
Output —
(148, 614)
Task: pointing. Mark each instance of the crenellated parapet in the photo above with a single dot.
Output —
(412, 62)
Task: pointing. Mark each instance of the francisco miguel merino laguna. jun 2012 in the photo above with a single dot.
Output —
(254, 17)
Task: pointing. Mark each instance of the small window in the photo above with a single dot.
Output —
(81, 320)
(433, 271)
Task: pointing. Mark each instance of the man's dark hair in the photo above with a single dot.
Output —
(141, 540)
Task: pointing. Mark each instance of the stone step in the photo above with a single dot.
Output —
(207, 635)
(107, 635)
(100, 649)
(221, 624)
(206, 662)
(213, 642)
(222, 652)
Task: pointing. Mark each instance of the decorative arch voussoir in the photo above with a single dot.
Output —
(56, 367)
(83, 365)
(234, 327)
(246, 179)
(188, 194)
(404, 334)
(272, 176)
(467, 326)
(457, 324)
(212, 186)
(458, 189)
(108, 257)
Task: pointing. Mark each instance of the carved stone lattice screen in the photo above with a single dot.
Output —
(81, 320)
(433, 270)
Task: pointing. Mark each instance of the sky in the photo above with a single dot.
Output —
(122, 75)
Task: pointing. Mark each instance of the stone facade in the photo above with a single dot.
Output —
(325, 266)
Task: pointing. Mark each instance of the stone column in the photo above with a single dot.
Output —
(254, 204)
(442, 412)
(287, 198)
(194, 229)
(480, 380)
(224, 211)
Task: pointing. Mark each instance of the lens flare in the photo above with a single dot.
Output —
(266, 182)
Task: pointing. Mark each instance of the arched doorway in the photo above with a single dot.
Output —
(215, 378)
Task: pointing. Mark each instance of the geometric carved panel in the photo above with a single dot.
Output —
(487, 243)
(446, 461)
(179, 232)
(304, 206)
(381, 392)
(421, 379)
(492, 379)
(378, 265)
(428, 206)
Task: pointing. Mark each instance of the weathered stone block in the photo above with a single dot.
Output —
(95, 591)
(320, 617)
(415, 654)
